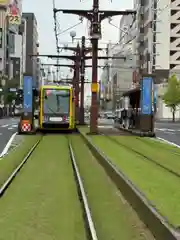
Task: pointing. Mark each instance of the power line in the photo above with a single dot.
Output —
(56, 26)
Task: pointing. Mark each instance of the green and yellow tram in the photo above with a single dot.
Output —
(57, 108)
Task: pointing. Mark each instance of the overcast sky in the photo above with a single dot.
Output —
(44, 14)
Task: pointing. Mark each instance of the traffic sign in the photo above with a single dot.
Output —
(94, 87)
(12, 89)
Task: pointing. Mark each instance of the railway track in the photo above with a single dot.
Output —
(9, 180)
(163, 146)
(88, 224)
(176, 174)
(157, 224)
(90, 228)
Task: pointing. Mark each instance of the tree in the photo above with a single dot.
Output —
(171, 96)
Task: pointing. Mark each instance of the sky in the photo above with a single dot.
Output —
(44, 15)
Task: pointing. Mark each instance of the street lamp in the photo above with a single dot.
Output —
(73, 35)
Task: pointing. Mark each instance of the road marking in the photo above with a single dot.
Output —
(6, 148)
(166, 141)
(6, 125)
(15, 125)
(10, 128)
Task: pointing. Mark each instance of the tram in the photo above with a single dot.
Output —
(57, 108)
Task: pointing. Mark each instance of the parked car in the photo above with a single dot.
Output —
(109, 115)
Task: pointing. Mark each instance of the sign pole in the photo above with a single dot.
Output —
(27, 118)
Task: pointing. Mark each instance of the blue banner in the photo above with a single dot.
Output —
(27, 94)
(146, 96)
(155, 95)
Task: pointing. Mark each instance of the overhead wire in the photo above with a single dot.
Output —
(56, 26)
(69, 28)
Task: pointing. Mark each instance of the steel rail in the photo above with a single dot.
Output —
(168, 170)
(157, 224)
(91, 227)
(7, 183)
(168, 150)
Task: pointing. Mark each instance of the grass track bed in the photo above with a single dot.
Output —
(42, 202)
(14, 158)
(160, 187)
(160, 144)
(113, 217)
(158, 154)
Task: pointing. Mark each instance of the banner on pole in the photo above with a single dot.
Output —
(27, 94)
(146, 96)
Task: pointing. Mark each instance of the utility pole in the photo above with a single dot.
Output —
(76, 80)
(82, 80)
(95, 16)
(77, 60)
(96, 35)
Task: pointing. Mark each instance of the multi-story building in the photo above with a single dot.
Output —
(120, 71)
(11, 41)
(15, 44)
(106, 77)
(3, 39)
(31, 46)
(158, 39)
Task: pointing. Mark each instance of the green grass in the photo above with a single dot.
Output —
(9, 162)
(160, 187)
(112, 215)
(160, 144)
(158, 154)
(42, 202)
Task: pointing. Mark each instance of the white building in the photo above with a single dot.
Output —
(166, 35)
(3, 34)
(9, 33)
(162, 41)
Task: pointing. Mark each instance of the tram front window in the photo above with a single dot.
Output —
(56, 101)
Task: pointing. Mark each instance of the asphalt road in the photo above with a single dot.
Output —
(168, 131)
(7, 128)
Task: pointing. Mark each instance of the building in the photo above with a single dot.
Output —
(106, 78)
(158, 39)
(40, 73)
(11, 41)
(16, 44)
(31, 46)
(158, 42)
(3, 41)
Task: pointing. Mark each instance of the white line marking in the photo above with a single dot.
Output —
(10, 128)
(166, 141)
(15, 125)
(6, 148)
(6, 125)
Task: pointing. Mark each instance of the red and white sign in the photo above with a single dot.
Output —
(14, 14)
